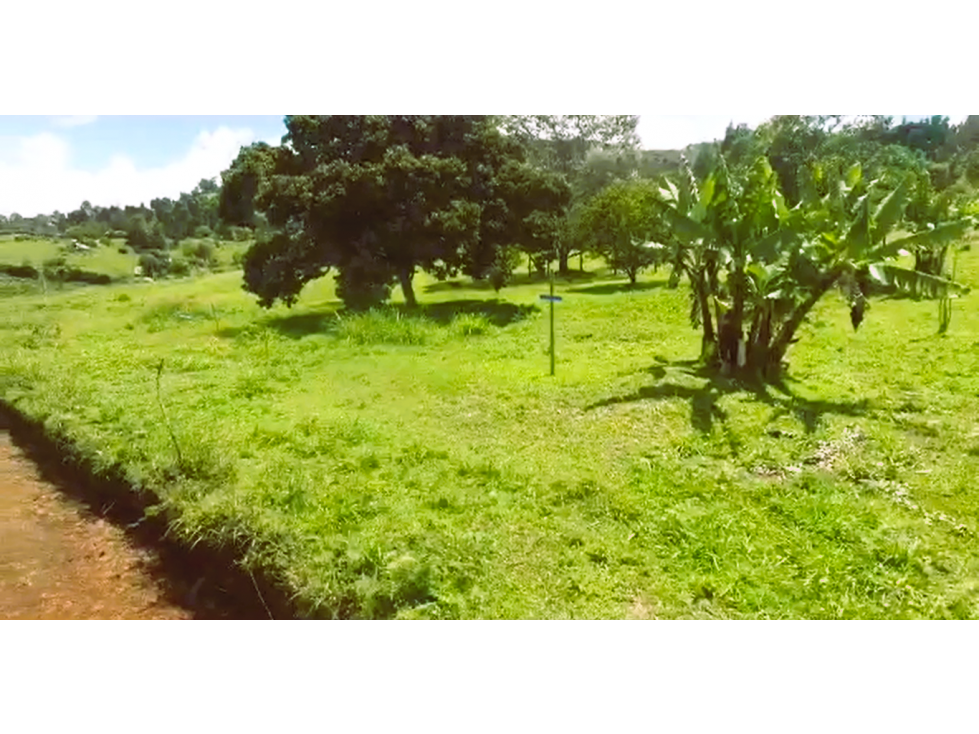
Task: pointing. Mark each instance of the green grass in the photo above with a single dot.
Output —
(427, 465)
(112, 258)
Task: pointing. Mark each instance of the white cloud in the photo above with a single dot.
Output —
(36, 176)
(74, 120)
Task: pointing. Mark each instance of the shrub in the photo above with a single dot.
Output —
(19, 271)
(86, 276)
(203, 232)
(200, 253)
(88, 232)
(56, 268)
(154, 264)
(240, 234)
(179, 266)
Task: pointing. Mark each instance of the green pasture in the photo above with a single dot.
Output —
(426, 465)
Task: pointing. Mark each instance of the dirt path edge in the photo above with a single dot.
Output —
(208, 580)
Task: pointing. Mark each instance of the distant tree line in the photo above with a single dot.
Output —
(376, 199)
(153, 232)
(161, 225)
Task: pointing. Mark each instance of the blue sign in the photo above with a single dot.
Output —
(550, 298)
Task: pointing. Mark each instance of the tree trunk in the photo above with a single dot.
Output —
(730, 328)
(758, 341)
(405, 275)
(562, 262)
(708, 345)
(781, 343)
(633, 274)
(581, 261)
(930, 262)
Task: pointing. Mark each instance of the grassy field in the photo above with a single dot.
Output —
(387, 465)
(108, 258)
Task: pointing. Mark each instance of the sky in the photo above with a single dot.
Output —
(54, 163)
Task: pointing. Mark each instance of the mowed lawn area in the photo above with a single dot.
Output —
(427, 465)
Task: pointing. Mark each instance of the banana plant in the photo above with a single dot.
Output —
(757, 268)
(733, 240)
(848, 248)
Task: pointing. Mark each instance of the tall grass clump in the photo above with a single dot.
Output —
(386, 326)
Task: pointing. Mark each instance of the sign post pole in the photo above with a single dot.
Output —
(552, 299)
(552, 324)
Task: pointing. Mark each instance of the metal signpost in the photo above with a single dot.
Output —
(552, 299)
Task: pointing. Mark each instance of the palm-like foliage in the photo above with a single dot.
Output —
(756, 267)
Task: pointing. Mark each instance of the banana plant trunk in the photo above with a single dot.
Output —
(771, 366)
(730, 335)
(930, 262)
(708, 345)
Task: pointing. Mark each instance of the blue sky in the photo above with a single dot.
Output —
(50, 163)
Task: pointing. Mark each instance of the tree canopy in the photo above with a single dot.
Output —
(623, 224)
(588, 151)
(378, 197)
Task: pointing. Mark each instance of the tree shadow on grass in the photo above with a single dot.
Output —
(517, 279)
(294, 326)
(607, 289)
(703, 398)
(297, 326)
(498, 313)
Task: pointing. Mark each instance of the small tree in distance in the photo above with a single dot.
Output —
(623, 224)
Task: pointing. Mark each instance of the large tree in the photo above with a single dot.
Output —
(377, 197)
(241, 183)
(536, 200)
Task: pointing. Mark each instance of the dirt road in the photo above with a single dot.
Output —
(65, 555)
(58, 560)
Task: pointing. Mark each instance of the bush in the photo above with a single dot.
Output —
(19, 271)
(56, 268)
(203, 232)
(240, 234)
(179, 266)
(154, 264)
(88, 232)
(85, 276)
(142, 237)
(222, 231)
(200, 253)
